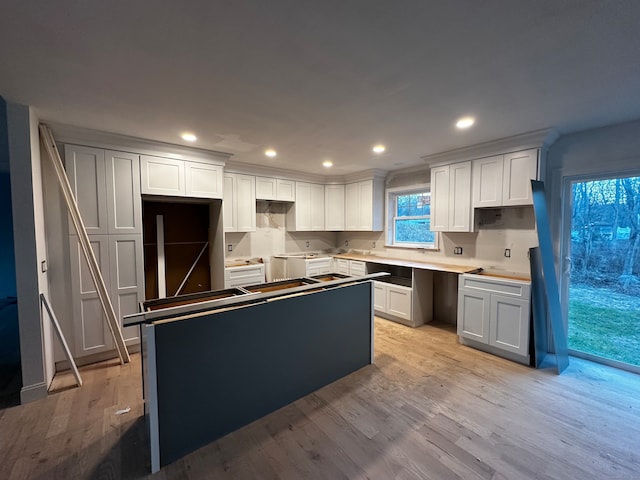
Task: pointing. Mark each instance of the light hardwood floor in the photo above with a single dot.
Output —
(428, 409)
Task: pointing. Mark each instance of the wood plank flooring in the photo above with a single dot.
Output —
(428, 409)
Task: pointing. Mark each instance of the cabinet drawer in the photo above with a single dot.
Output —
(357, 268)
(341, 266)
(485, 283)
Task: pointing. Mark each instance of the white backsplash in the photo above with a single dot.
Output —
(512, 228)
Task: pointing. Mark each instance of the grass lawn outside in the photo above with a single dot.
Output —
(605, 323)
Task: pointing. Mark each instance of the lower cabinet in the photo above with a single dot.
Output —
(494, 315)
(392, 300)
(121, 264)
(243, 275)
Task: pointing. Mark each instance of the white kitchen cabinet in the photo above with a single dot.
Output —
(364, 206)
(86, 171)
(308, 267)
(126, 273)
(180, 178)
(239, 203)
(203, 180)
(307, 213)
(519, 169)
(268, 188)
(487, 182)
(242, 275)
(504, 180)
(493, 315)
(334, 207)
(106, 186)
(392, 300)
(121, 264)
(451, 198)
(341, 266)
(357, 268)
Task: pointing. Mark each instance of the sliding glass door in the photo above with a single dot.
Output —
(602, 269)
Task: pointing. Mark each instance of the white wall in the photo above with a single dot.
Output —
(28, 229)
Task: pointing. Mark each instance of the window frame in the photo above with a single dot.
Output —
(391, 196)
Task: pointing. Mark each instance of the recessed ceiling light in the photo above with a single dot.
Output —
(379, 148)
(465, 122)
(270, 152)
(327, 163)
(189, 137)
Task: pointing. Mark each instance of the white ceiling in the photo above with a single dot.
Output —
(319, 79)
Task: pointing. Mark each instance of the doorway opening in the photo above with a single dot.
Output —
(604, 275)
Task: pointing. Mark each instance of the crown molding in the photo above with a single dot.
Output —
(95, 138)
(537, 139)
(274, 172)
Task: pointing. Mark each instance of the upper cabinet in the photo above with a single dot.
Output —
(268, 188)
(239, 203)
(364, 206)
(451, 198)
(334, 210)
(180, 178)
(106, 186)
(307, 213)
(504, 180)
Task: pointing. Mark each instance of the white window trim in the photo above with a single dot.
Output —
(390, 206)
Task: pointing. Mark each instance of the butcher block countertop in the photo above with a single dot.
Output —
(439, 267)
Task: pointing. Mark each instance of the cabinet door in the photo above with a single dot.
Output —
(440, 186)
(285, 190)
(365, 205)
(487, 182)
(229, 212)
(86, 172)
(126, 271)
(341, 266)
(317, 206)
(460, 197)
(351, 207)
(124, 204)
(399, 301)
(509, 324)
(203, 180)
(379, 297)
(357, 268)
(303, 206)
(519, 169)
(266, 188)
(334, 207)
(162, 176)
(473, 315)
(245, 203)
(92, 334)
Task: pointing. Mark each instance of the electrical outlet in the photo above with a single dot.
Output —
(507, 252)
(307, 244)
(230, 248)
(457, 250)
(373, 244)
(346, 243)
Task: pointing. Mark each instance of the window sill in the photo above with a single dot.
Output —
(414, 247)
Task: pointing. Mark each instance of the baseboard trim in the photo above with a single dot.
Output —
(31, 393)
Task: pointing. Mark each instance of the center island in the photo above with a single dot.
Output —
(216, 361)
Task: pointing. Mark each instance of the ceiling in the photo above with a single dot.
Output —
(324, 79)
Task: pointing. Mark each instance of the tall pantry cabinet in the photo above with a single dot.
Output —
(106, 185)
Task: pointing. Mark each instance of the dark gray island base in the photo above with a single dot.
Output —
(209, 372)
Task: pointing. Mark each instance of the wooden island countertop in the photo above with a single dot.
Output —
(438, 267)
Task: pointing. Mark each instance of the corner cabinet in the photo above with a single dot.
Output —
(364, 206)
(239, 203)
(307, 213)
(494, 315)
(504, 180)
(451, 198)
(180, 178)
